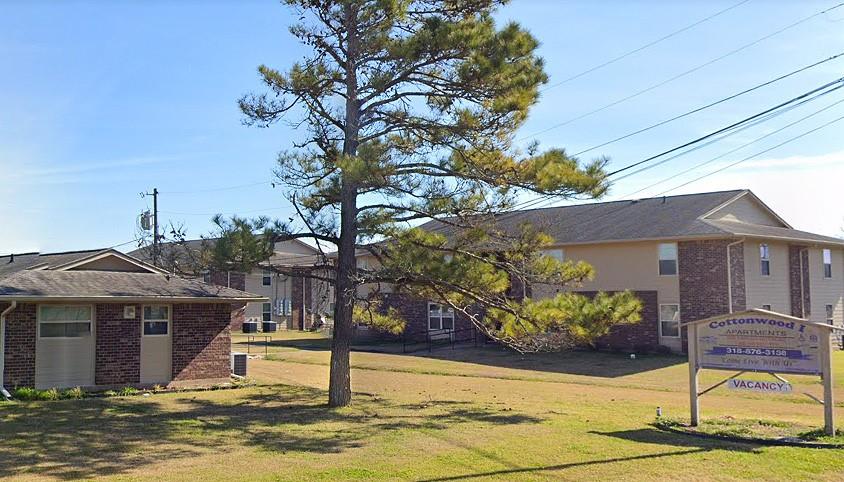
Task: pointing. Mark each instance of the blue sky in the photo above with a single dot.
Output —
(100, 101)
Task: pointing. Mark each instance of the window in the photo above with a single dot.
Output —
(267, 312)
(156, 320)
(440, 317)
(766, 307)
(557, 254)
(830, 315)
(669, 320)
(765, 260)
(667, 259)
(64, 321)
(267, 278)
(827, 263)
(206, 277)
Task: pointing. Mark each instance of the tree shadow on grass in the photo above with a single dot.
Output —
(680, 446)
(573, 362)
(97, 437)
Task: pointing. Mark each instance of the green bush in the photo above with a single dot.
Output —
(73, 393)
(127, 391)
(29, 394)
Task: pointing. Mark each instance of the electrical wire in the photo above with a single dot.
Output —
(683, 74)
(643, 47)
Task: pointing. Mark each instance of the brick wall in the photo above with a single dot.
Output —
(20, 346)
(301, 294)
(703, 280)
(798, 281)
(739, 288)
(415, 313)
(642, 336)
(118, 351)
(201, 341)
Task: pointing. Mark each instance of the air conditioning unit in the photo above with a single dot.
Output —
(239, 364)
(250, 326)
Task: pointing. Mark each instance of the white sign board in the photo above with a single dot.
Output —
(757, 342)
(757, 386)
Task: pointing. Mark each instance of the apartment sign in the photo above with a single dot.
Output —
(762, 343)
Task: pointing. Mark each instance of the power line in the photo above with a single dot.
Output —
(731, 126)
(788, 141)
(214, 214)
(216, 189)
(729, 130)
(720, 156)
(711, 104)
(643, 47)
(683, 74)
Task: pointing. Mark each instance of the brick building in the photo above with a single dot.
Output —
(102, 319)
(687, 257)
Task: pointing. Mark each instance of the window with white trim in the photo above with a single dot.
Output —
(827, 263)
(73, 321)
(667, 259)
(267, 312)
(440, 317)
(830, 314)
(669, 320)
(156, 320)
(267, 278)
(764, 260)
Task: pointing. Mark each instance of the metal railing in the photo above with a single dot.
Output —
(253, 338)
(441, 338)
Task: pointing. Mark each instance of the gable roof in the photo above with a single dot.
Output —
(653, 218)
(14, 263)
(670, 217)
(113, 286)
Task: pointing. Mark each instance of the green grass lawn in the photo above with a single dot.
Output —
(468, 414)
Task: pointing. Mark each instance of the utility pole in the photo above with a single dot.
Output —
(155, 238)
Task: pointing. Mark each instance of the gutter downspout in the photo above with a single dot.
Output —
(730, 274)
(3, 348)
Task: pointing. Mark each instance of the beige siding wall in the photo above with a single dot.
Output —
(826, 291)
(746, 209)
(111, 263)
(278, 290)
(767, 290)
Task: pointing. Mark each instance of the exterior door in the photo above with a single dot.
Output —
(64, 346)
(156, 344)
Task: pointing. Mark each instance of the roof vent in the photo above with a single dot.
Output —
(663, 199)
(11, 258)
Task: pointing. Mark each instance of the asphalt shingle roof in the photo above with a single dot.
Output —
(20, 262)
(124, 285)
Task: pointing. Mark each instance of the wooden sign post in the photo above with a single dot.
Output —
(760, 341)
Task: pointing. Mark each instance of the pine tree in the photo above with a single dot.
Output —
(407, 111)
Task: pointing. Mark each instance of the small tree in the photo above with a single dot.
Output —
(408, 111)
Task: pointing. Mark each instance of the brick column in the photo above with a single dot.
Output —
(118, 352)
(19, 358)
(798, 280)
(738, 287)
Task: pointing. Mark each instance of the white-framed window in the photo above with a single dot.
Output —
(827, 263)
(267, 278)
(766, 307)
(156, 321)
(267, 312)
(667, 259)
(669, 320)
(440, 317)
(830, 314)
(558, 253)
(65, 321)
(764, 260)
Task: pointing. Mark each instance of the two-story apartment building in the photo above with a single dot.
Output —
(687, 257)
(293, 299)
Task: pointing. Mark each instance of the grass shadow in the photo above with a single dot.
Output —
(99, 437)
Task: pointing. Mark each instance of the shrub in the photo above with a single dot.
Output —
(30, 394)
(75, 393)
(127, 391)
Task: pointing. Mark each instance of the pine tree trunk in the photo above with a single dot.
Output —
(339, 381)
